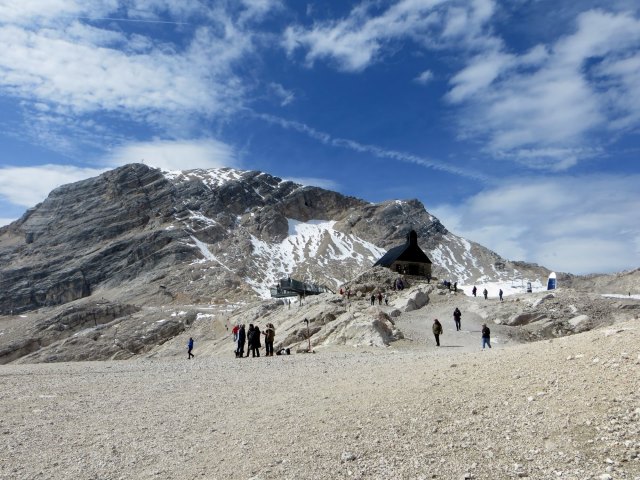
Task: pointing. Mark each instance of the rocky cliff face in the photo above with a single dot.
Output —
(140, 235)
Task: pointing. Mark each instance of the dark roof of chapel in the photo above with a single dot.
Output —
(409, 252)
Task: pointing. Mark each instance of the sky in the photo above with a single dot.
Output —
(515, 122)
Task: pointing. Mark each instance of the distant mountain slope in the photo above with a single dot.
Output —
(140, 235)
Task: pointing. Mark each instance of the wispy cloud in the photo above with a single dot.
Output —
(360, 39)
(424, 78)
(285, 96)
(534, 106)
(583, 224)
(374, 150)
(67, 62)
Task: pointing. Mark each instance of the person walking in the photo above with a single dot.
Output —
(457, 314)
(379, 298)
(373, 299)
(485, 292)
(190, 347)
(486, 336)
(242, 338)
(474, 290)
(269, 335)
(437, 331)
(500, 293)
(235, 330)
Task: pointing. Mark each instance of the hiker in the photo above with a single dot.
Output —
(500, 293)
(474, 290)
(235, 330)
(485, 293)
(456, 318)
(242, 336)
(190, 347)
(249, 338)
(386, 299)
(373, 299)
(254, 341)
(437, 331)
(486, 336)
(455, 287)
(379, 298)
(269, 335)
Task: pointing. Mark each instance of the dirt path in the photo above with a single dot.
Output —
(416, 326)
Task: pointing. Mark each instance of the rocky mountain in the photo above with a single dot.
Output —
(151, 237)
(124, 263)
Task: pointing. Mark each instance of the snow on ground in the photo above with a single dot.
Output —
(617, 295)
(508, 288)
(312, 239)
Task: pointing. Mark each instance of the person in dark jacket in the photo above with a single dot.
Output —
(437, 331)
(257, 344)
(500, 293)
(486, 336)
(242, 337)
(485, 292)
(190, 347)
(457, 314)
(250, 339)
(474, 290)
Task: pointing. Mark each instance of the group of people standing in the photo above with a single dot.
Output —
(252, 339)
(436, 328)
(380, 297)
(485, 292)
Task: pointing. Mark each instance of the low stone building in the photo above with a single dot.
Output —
(407, 259)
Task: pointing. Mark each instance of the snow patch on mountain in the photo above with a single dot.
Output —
(212, 177)
(315, 239)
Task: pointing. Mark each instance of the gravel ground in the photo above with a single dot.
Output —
(567, 408)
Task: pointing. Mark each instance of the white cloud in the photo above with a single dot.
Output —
(553, 97)
(285, 96)
(175, 155)
(424, 78)
(51, 66)
(580, 225)
(27, 186)
(54, 58)
(361, 38)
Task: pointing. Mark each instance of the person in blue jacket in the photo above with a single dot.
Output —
(190, 347)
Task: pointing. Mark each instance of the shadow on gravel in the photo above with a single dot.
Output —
(451, 346)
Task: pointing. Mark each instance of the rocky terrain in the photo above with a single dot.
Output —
(560, 408)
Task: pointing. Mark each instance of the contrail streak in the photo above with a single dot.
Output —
(131, 20)
(379, 152)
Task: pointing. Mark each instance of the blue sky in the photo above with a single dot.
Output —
(515, 122)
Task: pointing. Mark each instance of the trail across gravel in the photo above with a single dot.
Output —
(567, 408)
